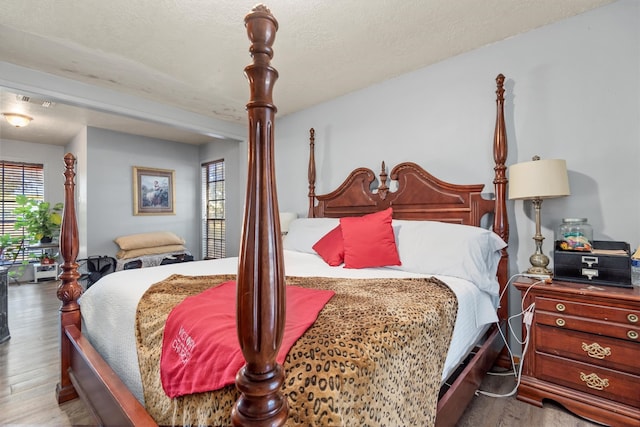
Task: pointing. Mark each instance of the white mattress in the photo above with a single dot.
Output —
(109, 307)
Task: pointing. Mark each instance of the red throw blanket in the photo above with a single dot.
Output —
(200, 348)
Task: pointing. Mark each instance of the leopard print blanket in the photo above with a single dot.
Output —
(374, 356)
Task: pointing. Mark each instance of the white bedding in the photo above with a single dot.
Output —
(109, 306)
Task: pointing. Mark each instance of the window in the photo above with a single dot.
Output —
(18, 178)
(213, 211)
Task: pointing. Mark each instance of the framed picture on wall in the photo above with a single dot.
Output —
(153, 191)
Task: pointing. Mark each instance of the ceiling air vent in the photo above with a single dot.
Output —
(45, 103)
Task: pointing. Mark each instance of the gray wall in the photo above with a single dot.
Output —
(78, 147)
(235, 158)
(49, 155)
(104, 191)
(573, 92)
(110, 160)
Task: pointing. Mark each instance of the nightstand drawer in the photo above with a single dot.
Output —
(590, 311)
(590, 379)
(598, 350)
(599, 327)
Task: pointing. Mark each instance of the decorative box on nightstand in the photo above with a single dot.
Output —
(584, 350)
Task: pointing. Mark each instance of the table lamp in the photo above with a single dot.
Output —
(537, 180)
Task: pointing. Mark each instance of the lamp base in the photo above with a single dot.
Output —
(539, 271)
(538, 260)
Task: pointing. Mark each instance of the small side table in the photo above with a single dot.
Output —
(583, 350)
(45, 271)
(4, 305)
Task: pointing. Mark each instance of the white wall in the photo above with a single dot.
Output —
(234, 155)
(78, 147)
(573, 92)
(49, 155)
(110, 160)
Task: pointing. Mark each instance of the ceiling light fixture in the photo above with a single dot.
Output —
(17, 120)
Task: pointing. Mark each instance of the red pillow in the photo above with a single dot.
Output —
(369, 240)
(330, 247)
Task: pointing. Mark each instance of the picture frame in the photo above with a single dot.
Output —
(153, 191)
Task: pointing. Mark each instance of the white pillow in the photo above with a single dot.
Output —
(432, 247)
(305, 232)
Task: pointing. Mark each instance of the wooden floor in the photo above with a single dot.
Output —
(29, 371)
(30, 361)
(491, 411)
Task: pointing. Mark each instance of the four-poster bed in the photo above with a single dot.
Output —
(261, 268)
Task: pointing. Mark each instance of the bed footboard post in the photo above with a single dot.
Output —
(260, 286)
(69, 290)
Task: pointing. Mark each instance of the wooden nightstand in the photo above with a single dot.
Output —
(584, 350)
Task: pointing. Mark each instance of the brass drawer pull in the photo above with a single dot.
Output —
(560, 307)
(594, 381)
(633, 318)
(560, 322)
(596, 351)
(633, 335)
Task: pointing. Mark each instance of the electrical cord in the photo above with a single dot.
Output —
(527, 319)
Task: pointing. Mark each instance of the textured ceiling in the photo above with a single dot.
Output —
(190, 54)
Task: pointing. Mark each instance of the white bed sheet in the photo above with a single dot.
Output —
(109, 307)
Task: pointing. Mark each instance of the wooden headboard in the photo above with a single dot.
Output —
(420, 195)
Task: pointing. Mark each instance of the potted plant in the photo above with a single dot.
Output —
(6, 241)
(40, 219)
(47, 259)
(10, 248)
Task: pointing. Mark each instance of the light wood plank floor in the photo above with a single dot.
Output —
(29, 371)
(30, 361)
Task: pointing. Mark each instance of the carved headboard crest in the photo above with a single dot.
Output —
(419, 195)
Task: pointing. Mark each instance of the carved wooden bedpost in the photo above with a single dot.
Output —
(69, 290)
(500, 220)
(261, 292)
(312, 171)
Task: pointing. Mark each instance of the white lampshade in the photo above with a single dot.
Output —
(285, 220)
(542, 179)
